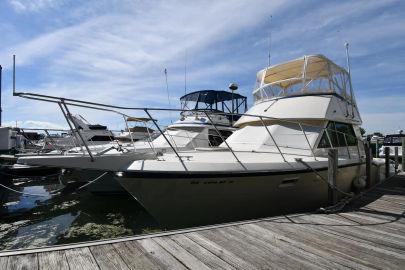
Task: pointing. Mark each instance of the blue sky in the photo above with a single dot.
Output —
(115, 51)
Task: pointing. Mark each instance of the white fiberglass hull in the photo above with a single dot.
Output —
(107, 162)
(207, 198)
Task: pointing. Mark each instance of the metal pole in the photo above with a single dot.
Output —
(222, 138)
(306, 138)
(332, 175)
(271, 136)
(387, 161)
(347, 147)
(130, 133)
(69, 115)
(164, 136)
(71, 128)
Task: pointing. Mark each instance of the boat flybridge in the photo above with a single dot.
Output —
(272, 164)
(194, 129)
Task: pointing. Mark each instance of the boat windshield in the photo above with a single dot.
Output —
(307, 75)
(393, 140)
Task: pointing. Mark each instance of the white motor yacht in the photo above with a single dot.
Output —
(269, 165)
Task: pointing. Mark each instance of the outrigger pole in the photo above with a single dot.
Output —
(1, 81)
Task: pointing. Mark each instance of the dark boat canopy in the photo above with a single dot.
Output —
(211, 96)
(214, 100)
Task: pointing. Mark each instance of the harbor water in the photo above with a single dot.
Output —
(53, 215)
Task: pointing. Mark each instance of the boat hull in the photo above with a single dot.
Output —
(191, 200)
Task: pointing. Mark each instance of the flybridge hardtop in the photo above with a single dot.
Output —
(310, 74)
(314, 84)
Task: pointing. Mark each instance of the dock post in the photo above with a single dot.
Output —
(332, 175)
(403, 154)
(387, 161)
(369, 157)
(396, 159)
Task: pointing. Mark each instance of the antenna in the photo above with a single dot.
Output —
(185, 74)
(347, 57)
(168, 94)
(271, 16)
(14, 94)
(1, 81)
(350, 76)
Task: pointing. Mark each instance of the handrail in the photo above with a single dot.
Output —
(116, 109)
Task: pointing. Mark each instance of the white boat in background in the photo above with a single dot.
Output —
(92, 134)
(302, 109)
(392, 141)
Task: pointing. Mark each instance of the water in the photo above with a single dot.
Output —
(37, 221)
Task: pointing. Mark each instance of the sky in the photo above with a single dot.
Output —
(116, 51)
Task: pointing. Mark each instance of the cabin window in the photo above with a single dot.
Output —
(339, 134)
(215, 139)
(101, 138)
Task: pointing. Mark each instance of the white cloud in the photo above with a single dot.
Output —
(34, 124)
(33, 5)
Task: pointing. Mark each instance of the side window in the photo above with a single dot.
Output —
(339, 134)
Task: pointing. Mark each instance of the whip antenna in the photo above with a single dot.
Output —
(185, 74)
(168, 93)
(271, 16)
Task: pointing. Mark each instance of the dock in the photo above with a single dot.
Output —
(368, 233)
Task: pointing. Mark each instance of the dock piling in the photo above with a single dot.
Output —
(332, 174)
(396, 159)
(369, 157)
(387, 161)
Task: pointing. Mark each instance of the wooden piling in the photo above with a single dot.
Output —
(403, 154)
(369, 157)
(396, 159)
(332, 174)
(387, 161)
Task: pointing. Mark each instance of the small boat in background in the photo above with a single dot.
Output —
(392, 141)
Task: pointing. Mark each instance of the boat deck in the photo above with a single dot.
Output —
(368, 234)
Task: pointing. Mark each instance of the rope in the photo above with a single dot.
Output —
(326, 181)
(92, 181)
(23, 193)
(55, 191)
(28, 176)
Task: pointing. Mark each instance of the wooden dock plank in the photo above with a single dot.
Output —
(205, 256)
(3, 262)
(53, 260)
(275, 254)
(80, 259)
(134, 256)
(360, 252)
(365, 233)
(160, 255)
(23, 262)
(320, 255)
(107, 257)
(220, 252)
(253, 254)
(180, 253)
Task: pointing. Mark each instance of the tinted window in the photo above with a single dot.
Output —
(339, 134)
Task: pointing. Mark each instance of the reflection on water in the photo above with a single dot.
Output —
(33, 221)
